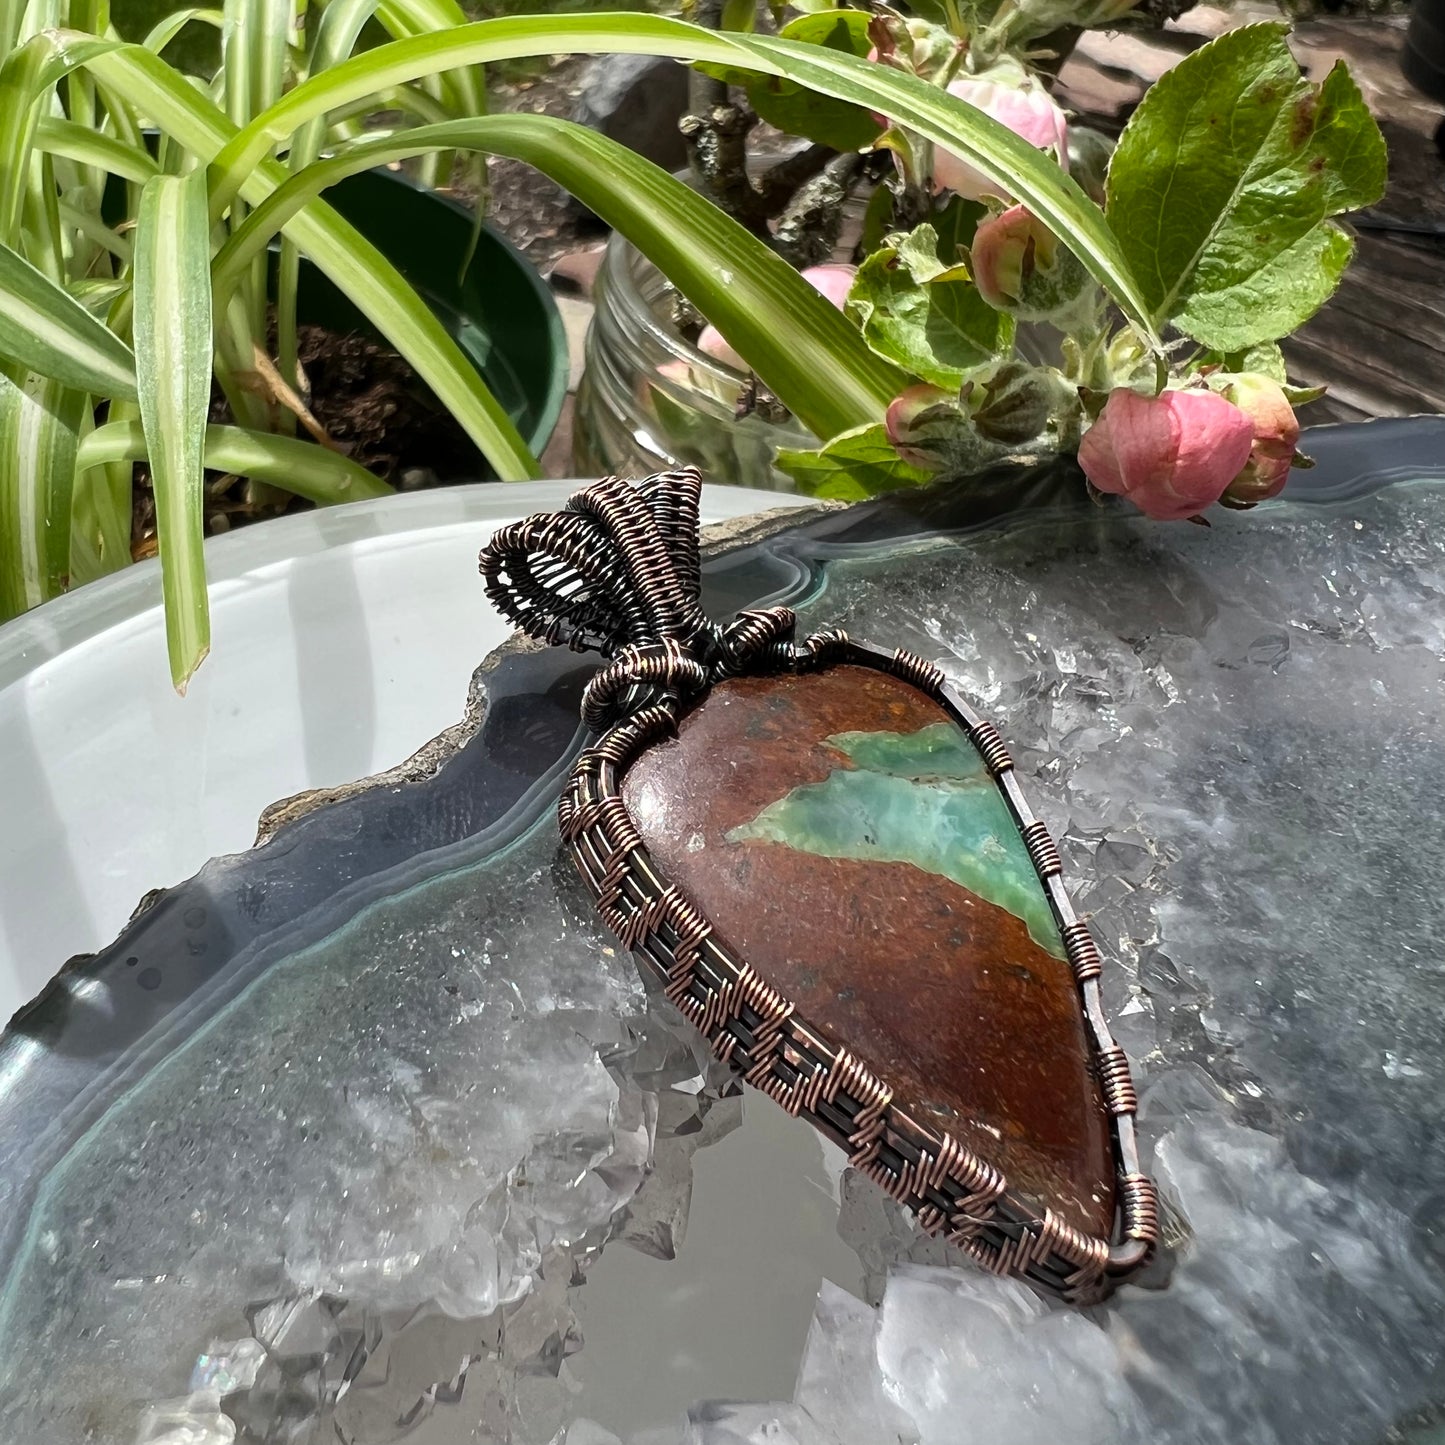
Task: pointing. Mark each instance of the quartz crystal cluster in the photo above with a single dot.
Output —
(369, 1201)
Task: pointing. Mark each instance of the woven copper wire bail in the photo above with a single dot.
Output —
(617, 571)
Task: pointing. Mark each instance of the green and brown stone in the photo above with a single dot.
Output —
(843, 837)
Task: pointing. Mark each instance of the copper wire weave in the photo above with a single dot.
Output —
(618, 571)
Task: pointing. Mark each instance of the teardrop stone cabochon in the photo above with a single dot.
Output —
(841, 833)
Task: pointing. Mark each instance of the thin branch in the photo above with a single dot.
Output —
(781, 183)
(716, 132)
(717, 144)
(809, 228)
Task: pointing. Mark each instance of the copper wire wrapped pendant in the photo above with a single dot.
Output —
(823, 853)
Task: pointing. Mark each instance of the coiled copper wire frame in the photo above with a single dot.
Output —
(617, 571)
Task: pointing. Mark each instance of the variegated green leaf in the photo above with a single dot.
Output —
(93, 148)
(993, 149)
(101, 505)
(44, 328)
(804, 350)
(173, 373)
(300, 467)
(337, 248)
(39, 426)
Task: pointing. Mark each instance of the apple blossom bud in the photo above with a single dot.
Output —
(1172, 455)
(831, 281)
(912, 422)
(1014, 99)
(711, 343)
(1276, 433)
(915, 45)
(1020, 266)
(1020, 402)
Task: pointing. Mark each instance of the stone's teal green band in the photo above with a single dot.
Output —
(923, 798)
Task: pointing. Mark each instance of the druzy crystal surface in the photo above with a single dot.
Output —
(446, 1174)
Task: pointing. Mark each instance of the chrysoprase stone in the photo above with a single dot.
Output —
(843, 837)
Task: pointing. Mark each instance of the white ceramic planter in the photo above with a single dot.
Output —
(342, 640)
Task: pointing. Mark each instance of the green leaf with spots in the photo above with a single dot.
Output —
(1223, 183)
(854, 465)
(925, 316)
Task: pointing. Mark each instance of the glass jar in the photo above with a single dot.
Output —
(649, 399)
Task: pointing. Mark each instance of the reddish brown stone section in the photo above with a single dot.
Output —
(944, 995)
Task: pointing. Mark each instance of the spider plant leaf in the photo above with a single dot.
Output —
(376, 287)
(993, 149)
(40, 421)
(89, 147)
(101, 505)
(253, 50)
(802, 348)
(23, 82)
(45, 329)
(165, 30)
(301, 467)
(173, 371)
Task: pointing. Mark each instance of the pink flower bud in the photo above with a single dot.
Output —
(832, 282)
(912, 420)
(1172, 455)
(1025, 107)
(678, 372)
(711, 343)
(1276, 433)
(1020, 266)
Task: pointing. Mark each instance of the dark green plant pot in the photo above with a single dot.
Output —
(499, 310)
